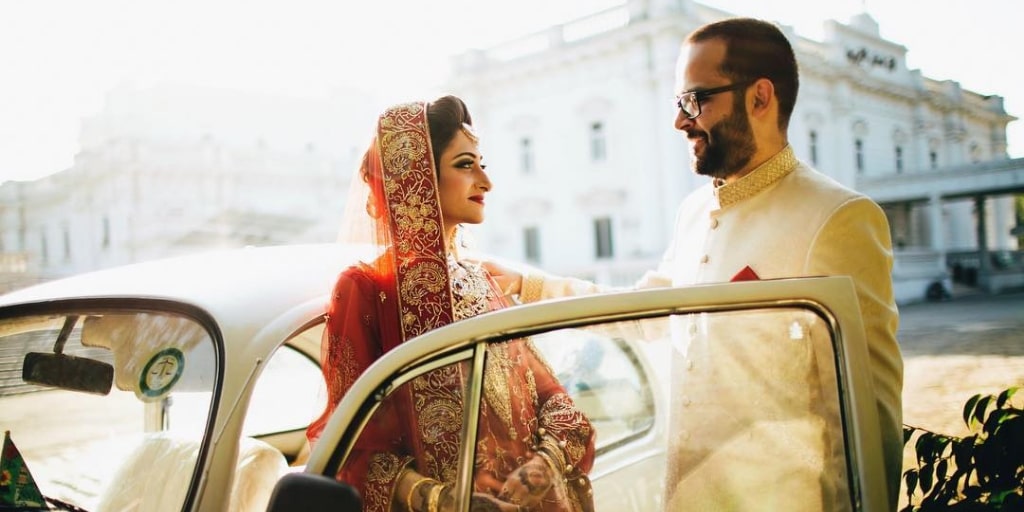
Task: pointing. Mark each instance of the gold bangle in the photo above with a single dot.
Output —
(412, 492)
(531, 289)
(435, 495)
(553, 450)
(555, 470)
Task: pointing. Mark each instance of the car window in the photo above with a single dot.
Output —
(605, 377)
(289, 393)
(750, 391)
(101, 407)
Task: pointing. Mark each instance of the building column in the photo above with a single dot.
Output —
(936, 226)
(984, 264)
(1002, 216)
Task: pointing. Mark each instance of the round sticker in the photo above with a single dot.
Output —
(161, 372)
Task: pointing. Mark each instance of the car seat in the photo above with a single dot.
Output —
(155, 477)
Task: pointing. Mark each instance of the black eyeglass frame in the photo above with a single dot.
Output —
(697, 96)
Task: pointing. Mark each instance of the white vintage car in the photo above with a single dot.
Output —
(187, 385)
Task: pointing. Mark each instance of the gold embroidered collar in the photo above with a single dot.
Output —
(765, 175)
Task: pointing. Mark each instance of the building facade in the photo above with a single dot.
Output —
(578, 127)
(173, 169)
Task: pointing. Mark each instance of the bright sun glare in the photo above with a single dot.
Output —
(60, 57)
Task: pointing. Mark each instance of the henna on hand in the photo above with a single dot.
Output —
(528, 484)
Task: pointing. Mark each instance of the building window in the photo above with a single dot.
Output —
(598, 151)
(975, 152)
(603, 245)
(22, 240)
(106, 232)
(858, 146)
(531, 243)
(814, 147)
(933, 159)
(526, 155)
(44, 249)
(67, 243)
(899, 159)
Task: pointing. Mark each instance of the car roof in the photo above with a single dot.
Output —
(233, 285)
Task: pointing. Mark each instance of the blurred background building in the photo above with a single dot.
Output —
(577, 131)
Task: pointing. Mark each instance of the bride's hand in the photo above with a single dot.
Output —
(510, 281)
(528, 484)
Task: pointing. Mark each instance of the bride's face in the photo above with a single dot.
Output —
(462, 182)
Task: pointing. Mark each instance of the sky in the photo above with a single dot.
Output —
(59, 57)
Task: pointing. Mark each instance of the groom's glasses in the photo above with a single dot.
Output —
(689, 102)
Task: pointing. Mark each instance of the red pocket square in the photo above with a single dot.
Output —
(747, 274)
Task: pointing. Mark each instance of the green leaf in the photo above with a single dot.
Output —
(1005, 396)
(923, 447)
(926, 477)
(969, 409)
(908, 432)
(941, 442)
(979, 411)
(910, 477)
(940, 470)
(1014, 501)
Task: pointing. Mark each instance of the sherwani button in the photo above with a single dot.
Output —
(714, 223)
(704, 259)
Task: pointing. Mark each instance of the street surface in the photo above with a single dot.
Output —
(955, 349)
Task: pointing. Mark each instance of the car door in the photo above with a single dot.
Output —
(740, 396)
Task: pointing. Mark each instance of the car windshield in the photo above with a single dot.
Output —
(103, 410)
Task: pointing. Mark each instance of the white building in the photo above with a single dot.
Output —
(174, 169)
(578, 128)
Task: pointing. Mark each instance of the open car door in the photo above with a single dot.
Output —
(739, 396)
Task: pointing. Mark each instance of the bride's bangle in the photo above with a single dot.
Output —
(435, 495)
(551, 448)
(412, 492)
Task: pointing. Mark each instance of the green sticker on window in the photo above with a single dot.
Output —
(161, 372)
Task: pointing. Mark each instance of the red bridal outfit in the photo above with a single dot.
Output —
(415, 285)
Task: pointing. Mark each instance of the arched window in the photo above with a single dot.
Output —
(598, 150)
(858, 147)
(814, 147)
(526, 155)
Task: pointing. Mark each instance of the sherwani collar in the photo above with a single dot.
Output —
(764, 176)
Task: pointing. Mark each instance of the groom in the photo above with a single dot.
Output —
(764, 214)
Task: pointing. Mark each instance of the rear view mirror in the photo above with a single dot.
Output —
(68, 372)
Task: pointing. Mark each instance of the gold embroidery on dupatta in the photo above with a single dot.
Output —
(437, 400)
(349, 369)
(415, 220)
(424, 298)
(766, 174)
(380, 477)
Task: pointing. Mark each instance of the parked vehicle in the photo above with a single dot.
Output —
(187, 384)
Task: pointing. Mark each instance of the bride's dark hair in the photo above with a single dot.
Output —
(445, 117)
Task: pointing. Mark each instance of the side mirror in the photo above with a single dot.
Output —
(68, 372)
(313, 493)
